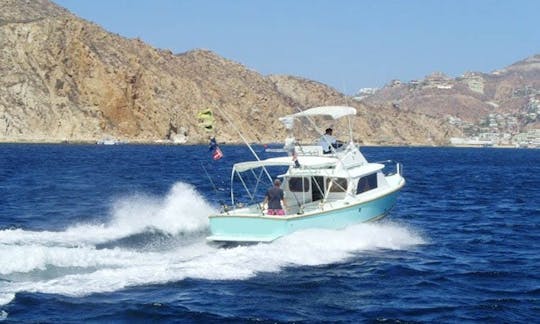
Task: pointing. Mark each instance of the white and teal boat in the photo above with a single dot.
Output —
(328, 191)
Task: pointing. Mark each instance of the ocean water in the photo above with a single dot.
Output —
(116, 234)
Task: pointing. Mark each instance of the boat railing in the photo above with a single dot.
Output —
(391, 167)
(311, 150)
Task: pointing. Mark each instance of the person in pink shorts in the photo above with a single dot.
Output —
(274, 198)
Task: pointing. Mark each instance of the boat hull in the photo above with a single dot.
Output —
(250, 228)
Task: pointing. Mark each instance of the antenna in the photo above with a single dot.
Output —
(344, 87)
(348, 117)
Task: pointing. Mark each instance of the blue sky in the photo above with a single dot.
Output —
(346, 44)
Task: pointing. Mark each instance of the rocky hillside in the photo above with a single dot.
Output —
(65, 79)
(512, 91)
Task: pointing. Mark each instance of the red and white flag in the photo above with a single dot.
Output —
(217, 154)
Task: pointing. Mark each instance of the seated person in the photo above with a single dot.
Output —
(327, 141)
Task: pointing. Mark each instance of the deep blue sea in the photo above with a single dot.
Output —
(94, 233)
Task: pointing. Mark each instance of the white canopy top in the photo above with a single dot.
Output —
(311, 165)
(305, 162)
(334, 112)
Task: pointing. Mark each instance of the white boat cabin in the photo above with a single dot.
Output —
(322, 179)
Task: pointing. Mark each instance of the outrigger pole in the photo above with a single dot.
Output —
(245, 141)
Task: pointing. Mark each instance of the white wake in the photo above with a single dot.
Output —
(182, 210)
(73, 263)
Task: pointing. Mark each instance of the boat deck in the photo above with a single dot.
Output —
(294, 211)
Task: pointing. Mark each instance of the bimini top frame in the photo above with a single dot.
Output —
(308, 162)
(333, 112)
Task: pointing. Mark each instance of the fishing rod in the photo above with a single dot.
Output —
(221, 202)
(245, 141)
(209, 178)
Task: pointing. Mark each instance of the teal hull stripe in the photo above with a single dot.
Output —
(238, 228)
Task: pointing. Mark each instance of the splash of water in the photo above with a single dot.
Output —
(3, 315)
(70, 262)
(182, 210)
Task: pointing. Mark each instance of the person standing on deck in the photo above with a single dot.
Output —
(275, 199)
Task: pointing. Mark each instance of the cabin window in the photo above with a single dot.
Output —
(367, 183)
(317, 183)
(298, 184)
(338, 184)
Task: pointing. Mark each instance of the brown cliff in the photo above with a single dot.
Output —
(64, 78)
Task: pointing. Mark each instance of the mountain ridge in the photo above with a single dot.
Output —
(472, 97)
(66, 79)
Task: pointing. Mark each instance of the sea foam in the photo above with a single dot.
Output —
(182, 210)
(71, 262)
